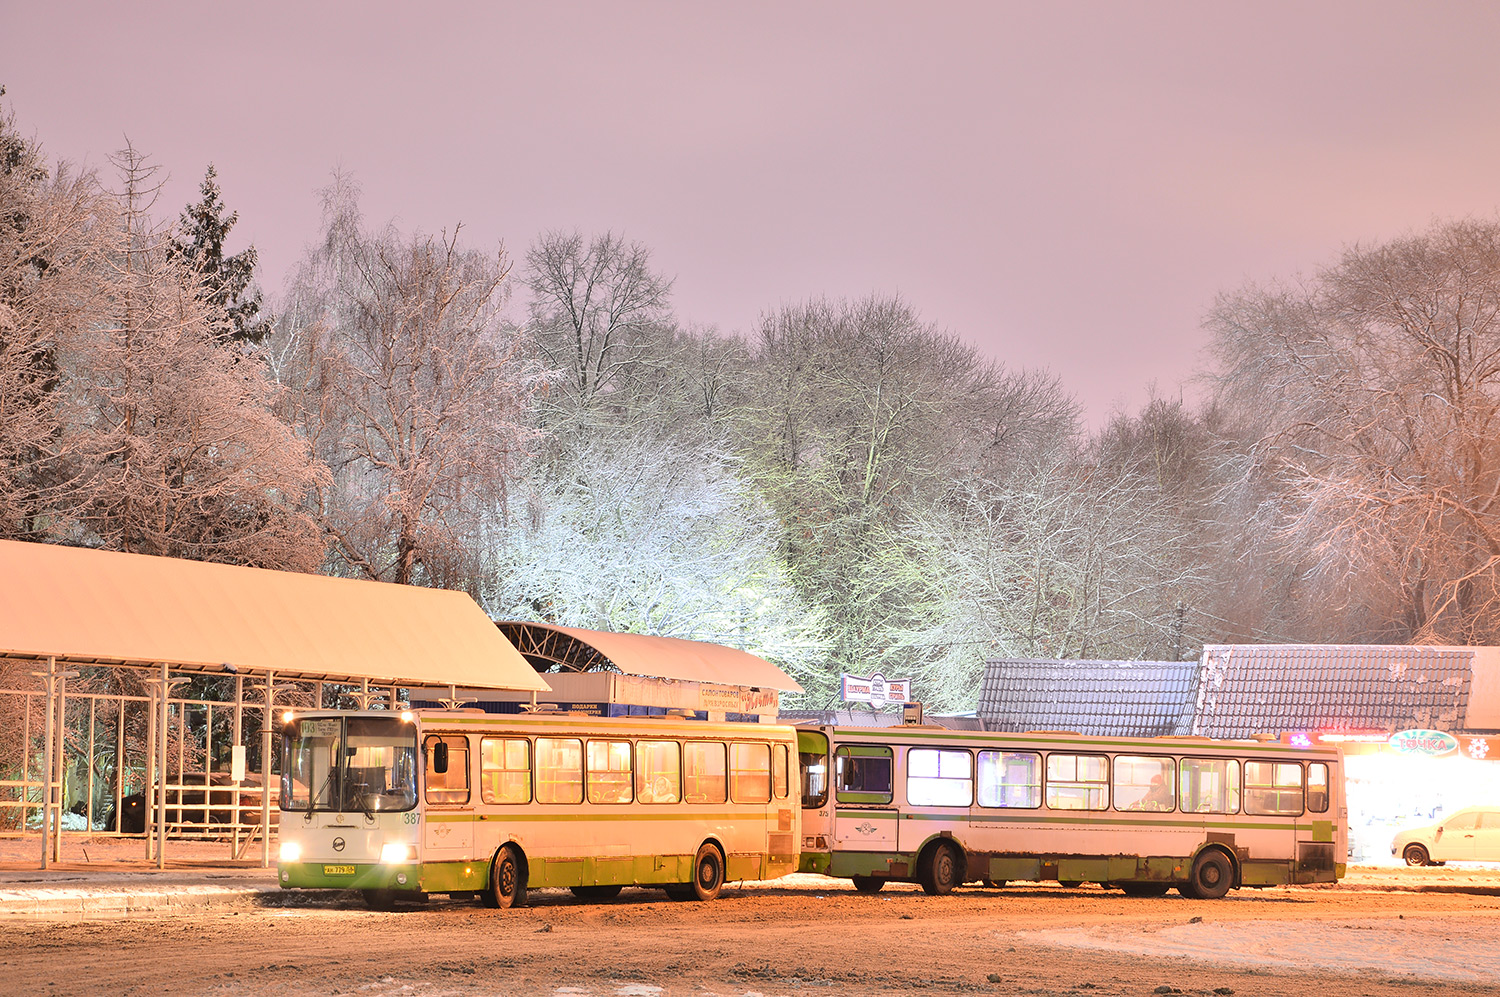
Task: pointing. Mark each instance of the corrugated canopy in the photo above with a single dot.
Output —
(642, 654)
(101, 607)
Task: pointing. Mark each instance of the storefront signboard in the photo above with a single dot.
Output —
(1429, 743)
(877, 690)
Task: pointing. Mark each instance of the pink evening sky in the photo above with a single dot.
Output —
(1066, 185)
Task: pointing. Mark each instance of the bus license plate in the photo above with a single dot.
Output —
(338, 870)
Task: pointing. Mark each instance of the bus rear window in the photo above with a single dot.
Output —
(862, 773)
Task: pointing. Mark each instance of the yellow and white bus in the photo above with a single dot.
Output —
(944, 807)
(468, 803)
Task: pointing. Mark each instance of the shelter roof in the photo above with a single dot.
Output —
(572, 649)
(102, 607)
(1099, 698)
(1247, 689)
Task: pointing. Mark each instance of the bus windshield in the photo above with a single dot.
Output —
(349, 764)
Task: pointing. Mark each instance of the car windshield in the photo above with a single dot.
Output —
(349, 764)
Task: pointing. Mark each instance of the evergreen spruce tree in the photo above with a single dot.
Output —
(227, 280)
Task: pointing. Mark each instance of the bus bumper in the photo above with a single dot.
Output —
(346, 876)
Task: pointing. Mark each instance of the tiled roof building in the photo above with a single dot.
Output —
(1103, 698)
(1247, 689)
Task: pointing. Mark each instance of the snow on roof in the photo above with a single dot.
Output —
(644, 654)
(1099, 698)
(1247, 689)
(103, 607)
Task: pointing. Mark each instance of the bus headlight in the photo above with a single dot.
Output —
(291, 851)
(396, 852)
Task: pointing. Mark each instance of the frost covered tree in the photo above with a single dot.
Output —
(125, 425)
(597, 311)
(651, 535)
(1367, 399)
(56, 229)
(179, 452)
(863, 417)
(227, 282)
(408, 387)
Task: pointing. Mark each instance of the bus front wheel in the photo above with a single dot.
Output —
(940, 873)
(1211, 877)
(507, 880)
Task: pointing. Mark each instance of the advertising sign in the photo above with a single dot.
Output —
(1429, 743)
(876, 690)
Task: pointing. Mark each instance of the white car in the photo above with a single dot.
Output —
(1468, 835)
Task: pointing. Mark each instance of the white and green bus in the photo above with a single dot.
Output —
(944, 807)
(489, 805)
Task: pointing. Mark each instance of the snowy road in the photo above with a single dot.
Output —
(1392, 934)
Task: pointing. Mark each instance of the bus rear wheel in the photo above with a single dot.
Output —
(867, 884)
(939, 874)
(1416, 855)
(507, 881)
(1211, 877)
(708, 876)
(605, 892)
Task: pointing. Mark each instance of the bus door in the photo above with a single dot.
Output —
(1317, 844)
(863, 791)
(448, 832)
(817, 810)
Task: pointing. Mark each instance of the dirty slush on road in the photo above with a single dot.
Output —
(817, 936)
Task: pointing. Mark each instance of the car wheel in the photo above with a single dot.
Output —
(1416, 855)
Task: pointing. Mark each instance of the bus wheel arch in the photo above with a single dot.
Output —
(941, 865)
(508, 873)
(709, 869)
(1213, 873)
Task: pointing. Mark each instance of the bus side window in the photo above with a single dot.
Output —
(1273, 788)
(781, 783)
(1145, 782)
(559, 770)
(862, 773)
(937, 777)
(749, 772)
(505, 770)
(1209, 785)
(703, 772)
(1317, 788)
(658, 772)
(609, 774)
(1077, 782)
(1010, 779)
(451, 785)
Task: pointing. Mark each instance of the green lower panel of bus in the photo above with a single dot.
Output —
(625, 870)
(335, 876)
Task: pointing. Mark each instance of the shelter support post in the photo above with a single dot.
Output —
(47, 677)
(60, 763)
(265, 773)
(162, 687)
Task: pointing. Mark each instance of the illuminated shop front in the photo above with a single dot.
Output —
(1401, 780)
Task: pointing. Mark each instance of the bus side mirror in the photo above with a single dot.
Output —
(440, 757)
